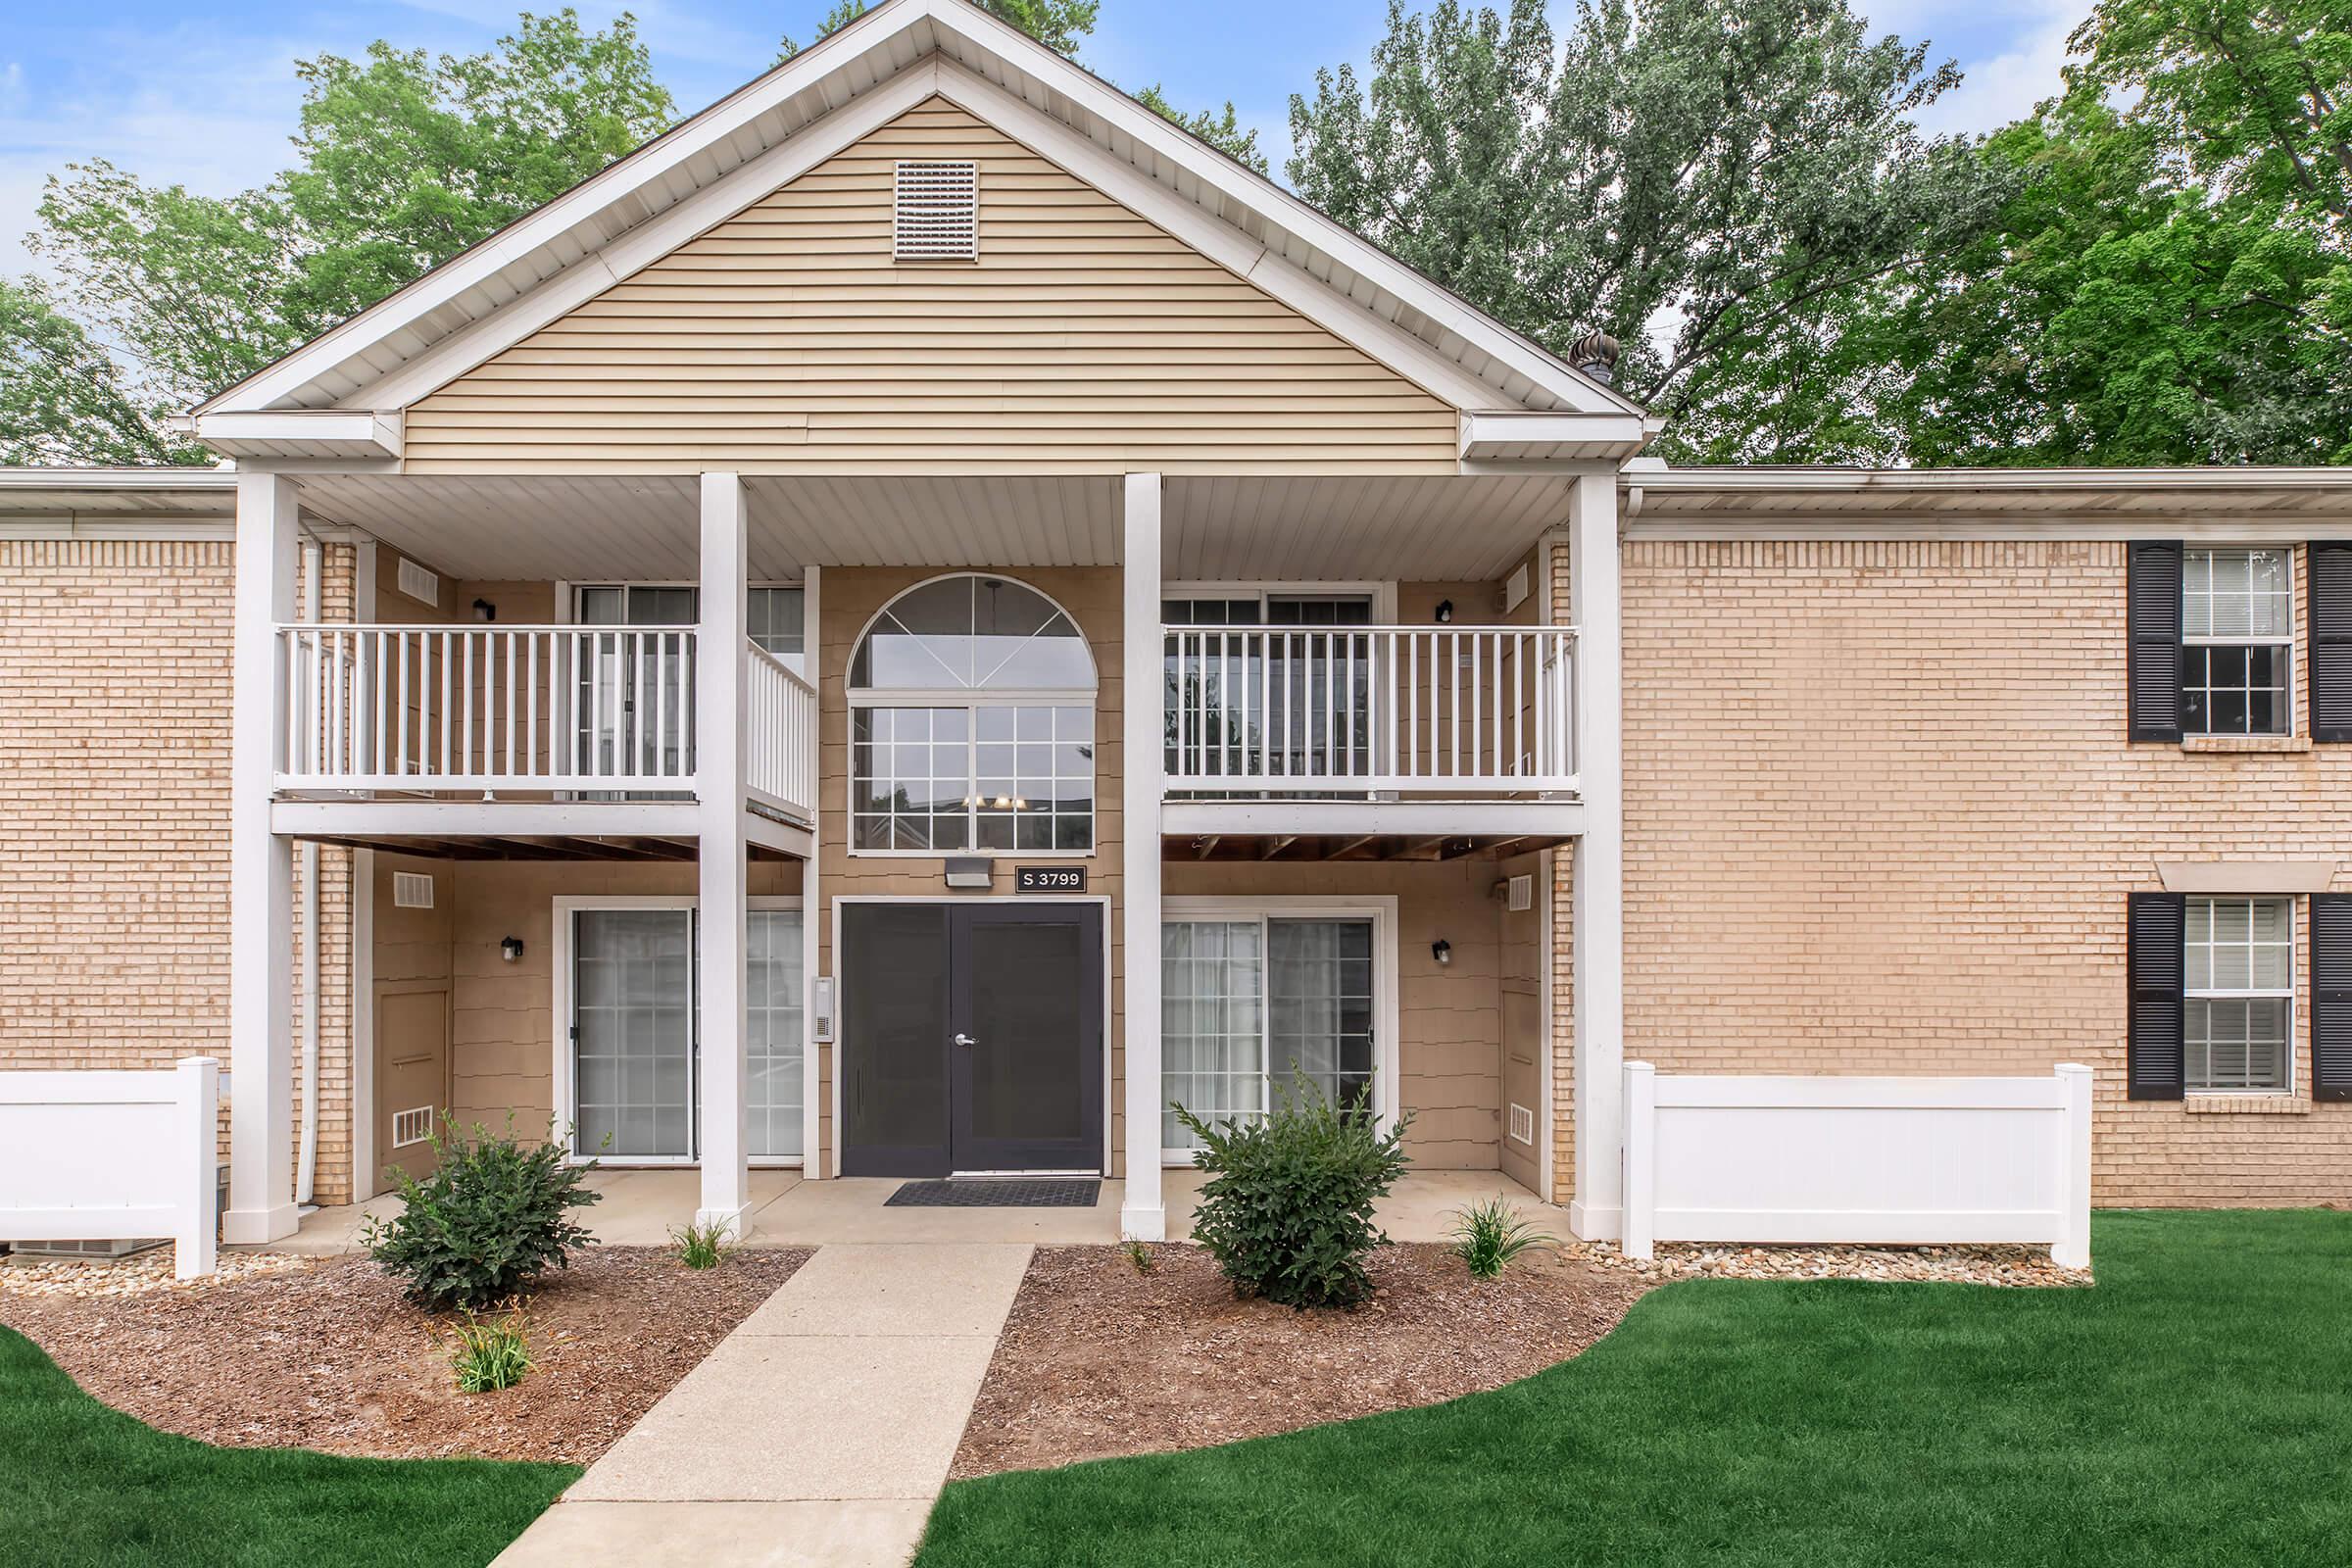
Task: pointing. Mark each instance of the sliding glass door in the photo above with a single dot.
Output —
(633, 1034)
(1246, 1003)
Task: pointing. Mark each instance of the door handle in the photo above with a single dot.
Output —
(964, 1040)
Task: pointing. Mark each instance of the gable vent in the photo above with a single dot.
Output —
(412, 890)
(418, 583)
(937, 216)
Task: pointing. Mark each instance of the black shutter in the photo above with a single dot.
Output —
(2153, 1062)
(2331, 642)
(2331, 996)
(2152, 614)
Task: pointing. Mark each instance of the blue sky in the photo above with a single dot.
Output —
(203, 92)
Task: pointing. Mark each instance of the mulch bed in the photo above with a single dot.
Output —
(1099, 1360)
(333, 1358)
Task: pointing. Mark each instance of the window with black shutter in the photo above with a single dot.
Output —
(2152, 614)
(2331, 996)
(2331, 642)
(2237, 642)
(2154, 1055)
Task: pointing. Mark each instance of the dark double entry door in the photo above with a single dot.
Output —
(971, 1037)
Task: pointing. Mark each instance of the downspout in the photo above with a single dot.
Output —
(307, 1171)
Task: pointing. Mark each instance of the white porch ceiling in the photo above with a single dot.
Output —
(1433, 528)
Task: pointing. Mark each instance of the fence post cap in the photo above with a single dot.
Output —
(1640, 1066)
(198, 1061)
(2074, 1067)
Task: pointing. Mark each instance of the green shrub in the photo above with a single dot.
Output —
(701, 1246)
(490, 1354)
(1287, 1210)
(1488, 1237)
(1140, 1255)
(490, 1218)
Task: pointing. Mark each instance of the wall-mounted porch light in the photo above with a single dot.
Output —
(1442, 950)
(510, 949)
(484, 610)
(1445, 612)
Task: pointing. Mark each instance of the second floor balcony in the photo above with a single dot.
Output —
(593, 713)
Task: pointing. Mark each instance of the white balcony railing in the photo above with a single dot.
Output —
(488, 708)
(780, 743)
(1448, 709)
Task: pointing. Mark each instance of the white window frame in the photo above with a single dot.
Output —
(567, 1110)
(2295, 937)
(567, 606)
(1381, 909)
(1382, 594)
(970, 699)
(2285, 640)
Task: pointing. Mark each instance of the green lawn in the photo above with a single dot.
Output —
(2195, 1407)
(81, 1484)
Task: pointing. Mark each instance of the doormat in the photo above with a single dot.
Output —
(1025, 1192)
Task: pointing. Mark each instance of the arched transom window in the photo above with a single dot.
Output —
(972, 723)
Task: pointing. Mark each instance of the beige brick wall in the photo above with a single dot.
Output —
(1882, 816)
(1562, 1131)
(114, 816)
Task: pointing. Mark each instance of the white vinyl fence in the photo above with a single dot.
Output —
(1886, 1161)
(112, 1157)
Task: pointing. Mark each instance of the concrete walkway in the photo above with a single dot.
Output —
(817, 1434)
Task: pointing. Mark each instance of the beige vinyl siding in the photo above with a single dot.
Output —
(787, 339)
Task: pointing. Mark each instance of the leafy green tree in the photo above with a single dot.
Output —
(2256, 94)
(1712, 181)
(61, 400)
(1224, 131)
(403, 163)
(2120, 313)
(1059, 24)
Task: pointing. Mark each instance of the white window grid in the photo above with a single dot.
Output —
(2232, 600)
(2239, 999)
(984, 778)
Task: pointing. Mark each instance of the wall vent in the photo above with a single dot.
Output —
(1523, 1125)
(937, 215)
(418, 583)
(1523, 893)
(412, 890)
(1516, 591)
(411, 1127)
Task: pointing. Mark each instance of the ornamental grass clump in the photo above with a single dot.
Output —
(701, 1246)
(491, 1353)
(1490, 1237)
(490, 1218)
(1287, 1209)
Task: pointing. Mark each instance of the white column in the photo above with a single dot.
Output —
(1143, 767)
(719, 720)
(811, 899)
(1597, 889)
(261, 875)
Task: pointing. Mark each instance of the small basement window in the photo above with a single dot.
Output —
(936, 217)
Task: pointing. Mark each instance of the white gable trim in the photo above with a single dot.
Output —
(587, 239)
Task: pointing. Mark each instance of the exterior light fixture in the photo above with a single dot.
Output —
(1445, 612)
(510, 949)
(484, 610)
(1442, 950)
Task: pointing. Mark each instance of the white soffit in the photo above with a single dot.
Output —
(1429, 528)
(1502, 369)
(2252, 504)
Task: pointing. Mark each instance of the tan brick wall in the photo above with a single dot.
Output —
(1563, 966)
(113, 818)
(1882, 816)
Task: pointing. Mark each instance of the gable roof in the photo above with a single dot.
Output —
(766, 133)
